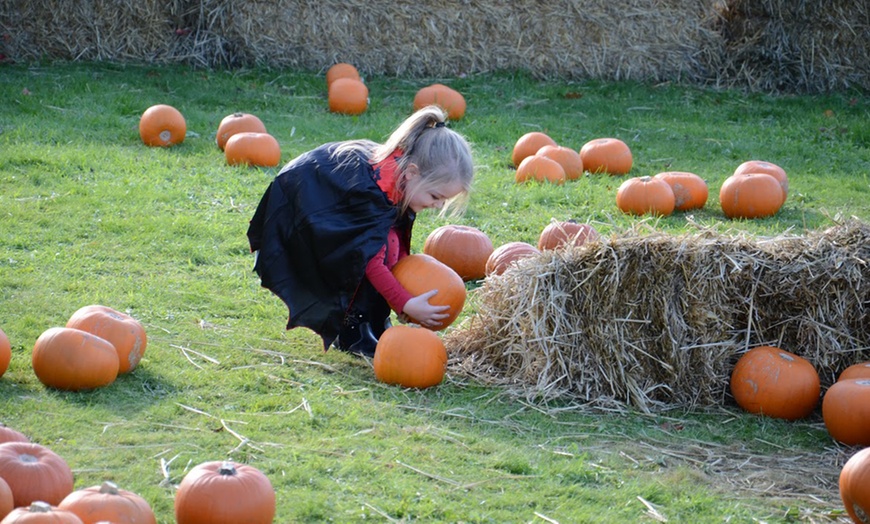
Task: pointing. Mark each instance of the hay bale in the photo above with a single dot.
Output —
(657, 321)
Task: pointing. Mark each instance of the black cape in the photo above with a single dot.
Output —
(318, 224)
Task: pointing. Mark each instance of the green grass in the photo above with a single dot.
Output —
(90, 215)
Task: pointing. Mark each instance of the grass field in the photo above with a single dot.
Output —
(92, 216)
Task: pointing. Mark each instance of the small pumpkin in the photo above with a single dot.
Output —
(7, 502)
(690, 190)
(34, 473)
(846, 411)
(750, 195)
(73, 360)
(606, 155)
(8, 434)
(410, 356)
(341, 70)
(254, 149)
(506, 255)
(348, 96)
(223, 492)
(420, 273)
(855, 486)
(443, 96)
(569, 159)
(768, 168)
(162, 125)
(107, 502)
(529, 144)
(859, 370)
(123, 331)
(540, 169)
(5, 352)
(560, 233)
(41, 513)
(237, 123)
(463, 249)
(771, 381)
(642, 195)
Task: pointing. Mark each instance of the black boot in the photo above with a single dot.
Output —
(356, 337)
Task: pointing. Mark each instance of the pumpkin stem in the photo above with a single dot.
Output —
(785, 356)
(40, 507)
(28, 458)
(109, 488)
(227, 468)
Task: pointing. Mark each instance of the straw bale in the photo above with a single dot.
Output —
(657, 321)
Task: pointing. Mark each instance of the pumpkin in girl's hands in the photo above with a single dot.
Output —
(420, 273)
(253, 149)
(559, 233)
(690, 190)
(41, 513)
(108, 503)
(771, 381)
(750, 195)
(348, 96)
(5, 352)
(73, 360)
(855, 486)
(223, 492)
(846, 411)
(237, 123)
(122, 330)
(529, 144)
(463, 249)
(506, 255)
(606, 155)
(642, 195)
(34, 473)
(410, 356)
(445, 97)
(162, 125)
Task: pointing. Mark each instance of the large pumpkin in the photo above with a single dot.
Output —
(750, 195)
(254, 149)
(569, 159)
(855, 486)
(73, 360)
(771, 381)
(34, 473)
(410, 356)
(8, 434)
(559, 233)
(690, 190)
(237, 123)
(463, 249)
(420, 273)
(846, 411)
(341, 70)
(606, 155)
(529, 144)
(123, 331)
(768, 168)
(642, 195)
(162, 125)
(5, 352)
(224, 493)
(348, 96)
(7, 501)
(108, 503)
(540, 169)
(445, 97)
(859, 370)
(41, 513)
(507, 255)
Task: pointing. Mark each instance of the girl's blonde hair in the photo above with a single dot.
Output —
(441, 155)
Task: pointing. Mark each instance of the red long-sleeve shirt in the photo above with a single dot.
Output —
(379, 273)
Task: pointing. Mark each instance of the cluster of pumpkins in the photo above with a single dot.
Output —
(756, 189)
(37, 486)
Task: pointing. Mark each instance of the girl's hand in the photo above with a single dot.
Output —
(425, 313)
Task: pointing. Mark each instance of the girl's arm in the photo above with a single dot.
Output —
(399, 299)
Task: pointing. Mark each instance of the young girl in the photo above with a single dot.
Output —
(336, 220)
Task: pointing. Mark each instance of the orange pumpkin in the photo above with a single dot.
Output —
(445, 97)
(569, 159)
(463, 249)
(348, 96)
(771, 381)
(162, 125)
(690, 190)
(557, 234)
(107, 502)
(74, 360)
(41, 513)
(750, 195)
(8, 434)
(5, 352)
(540, 169)
(421, 273)
(529, 144)
(237, 123)
(224, 493)
(410, 356)
(642, 195)
(760, 166)
(860, 370)
(606, 155)
(255, 149)
(7, 502)
(122, 330)
(855, 486)
(846, 411)
(341, 70)
(507, 255)
(34, 473)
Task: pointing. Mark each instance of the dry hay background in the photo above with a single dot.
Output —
(769, 45)
(657, 321)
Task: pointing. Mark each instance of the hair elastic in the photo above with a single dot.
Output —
(440, 124)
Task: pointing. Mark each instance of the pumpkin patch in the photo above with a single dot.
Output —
(507, 255)
(770, 381)
(108, 503)
(162, 125)
(124, 332)
(348, 96)
(74, 360)
(529, 144)
(854, 484)
(606, 155)
(560, 233)
(411, 357)
(34, 473)
(846, 411)
(237, 123)
(463, 249)
(224, 492)
(254, 149)
(750, 195)
(447, 98)
(645, 195)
